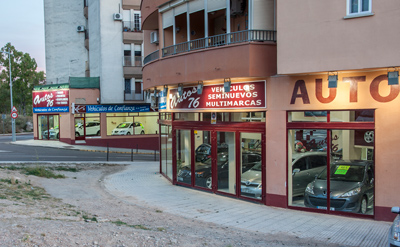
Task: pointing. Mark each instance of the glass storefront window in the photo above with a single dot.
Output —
(166, 150)
(132, 123)
(186, 116)
(341, 166)
(308, 116)
(352, 116)
(203, 168)
(251, 166)
(183, 156)
(226, 163)
(307, 157)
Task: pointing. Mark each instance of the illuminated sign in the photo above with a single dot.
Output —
(110, 108)
(242, 95)
(50, 101)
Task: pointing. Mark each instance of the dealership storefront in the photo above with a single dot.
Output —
(74, 116)
(288, 142)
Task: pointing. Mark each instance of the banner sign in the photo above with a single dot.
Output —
(51, 109)
(248, 95)
(110, 108)
(50, 101)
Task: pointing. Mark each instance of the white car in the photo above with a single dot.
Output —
(129, 128)
(92, 129)
(53, 133)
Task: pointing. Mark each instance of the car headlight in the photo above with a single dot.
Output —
(395, 229)
(351, 193)
(310, 188)
(200, 174)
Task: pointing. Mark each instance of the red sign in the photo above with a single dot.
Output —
(241, 95)
(53, 98)
(14, 109)
(14, 115)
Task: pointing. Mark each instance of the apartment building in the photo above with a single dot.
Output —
(94, 91)
(278, 102)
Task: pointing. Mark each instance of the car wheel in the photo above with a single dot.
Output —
(142, 132)
(98, 133)
(209, 182)
(58, 135)
(77, 134)
(363, 205)
(128, 133)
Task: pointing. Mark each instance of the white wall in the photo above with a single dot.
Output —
(63, 43)
(106, 49)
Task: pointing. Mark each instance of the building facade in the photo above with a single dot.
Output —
(94, 90)
(278, 102)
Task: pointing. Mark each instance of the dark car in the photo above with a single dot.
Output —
(351, 187)
(203, 151)
(203, 170)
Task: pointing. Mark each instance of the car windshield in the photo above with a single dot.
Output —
(345, 172)
(257, 167)
(123, 125)
(222, 158)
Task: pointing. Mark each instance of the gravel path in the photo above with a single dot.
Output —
(78, 211)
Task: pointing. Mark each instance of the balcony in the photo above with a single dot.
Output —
(241, 54)
(130, 4)
(220, 40)
(132, 66)
(131, 32)
(132, 95)
(151, 57)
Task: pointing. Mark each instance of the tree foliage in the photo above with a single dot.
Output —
(24, 77)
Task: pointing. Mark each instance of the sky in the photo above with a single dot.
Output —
(22, 24)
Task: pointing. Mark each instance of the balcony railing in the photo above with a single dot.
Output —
(151, 57)
(129, 26)
(134, 61)
(131, 95)
(220, 40)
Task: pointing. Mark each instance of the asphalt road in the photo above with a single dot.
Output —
(11, 152)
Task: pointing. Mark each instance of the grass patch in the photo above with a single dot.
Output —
(121, 223)
(66, 169)
(41, 172)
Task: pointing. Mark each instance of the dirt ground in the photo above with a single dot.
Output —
(78, 211)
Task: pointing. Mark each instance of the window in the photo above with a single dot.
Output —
(359, 8)
(137, 21)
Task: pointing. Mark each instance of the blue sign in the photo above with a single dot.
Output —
(51, 109)
(117, 108)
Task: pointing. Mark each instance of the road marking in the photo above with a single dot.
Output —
(4, 151)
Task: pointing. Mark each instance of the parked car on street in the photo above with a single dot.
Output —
(129, 128)
(92, 129)
(394, 231)
(351, 187)
(203, 170)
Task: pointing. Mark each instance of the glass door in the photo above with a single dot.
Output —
(226, 162)
(79, 127)
(48, 127)
(251, 166)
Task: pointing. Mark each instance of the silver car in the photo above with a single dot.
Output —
(351, 188)
(394, 231)
(305, 167)
(251, 182)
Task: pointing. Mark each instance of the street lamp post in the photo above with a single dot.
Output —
(12, 119)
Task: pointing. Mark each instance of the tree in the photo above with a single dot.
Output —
(24, 78)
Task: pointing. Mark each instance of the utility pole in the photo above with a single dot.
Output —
(12, 119)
